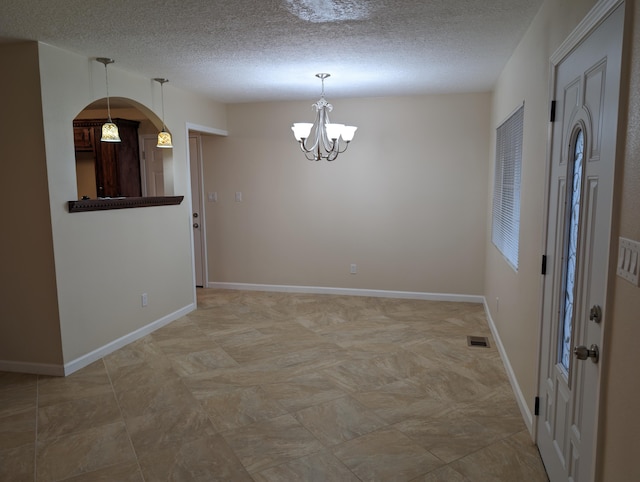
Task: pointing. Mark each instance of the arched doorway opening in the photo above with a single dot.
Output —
(133, 167)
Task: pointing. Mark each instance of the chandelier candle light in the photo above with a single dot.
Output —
(164, 138)
(109, 129)
(321, 140)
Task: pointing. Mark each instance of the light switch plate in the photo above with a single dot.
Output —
(628, 268)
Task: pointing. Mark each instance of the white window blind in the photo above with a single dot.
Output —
(506, 187)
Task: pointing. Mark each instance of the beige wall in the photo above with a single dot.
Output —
(406, 202)
(29, 323)
(621, 422)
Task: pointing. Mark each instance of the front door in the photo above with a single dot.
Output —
(586, 92)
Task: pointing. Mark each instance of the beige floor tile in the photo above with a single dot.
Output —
(17, 398)
(450, 382)
(446, 474)
(154, 398)
(144, 350)
(449, 435)
(339, 420)
(201, 361)
(515, 458)
(185, 345)
(81, 452)
(160, 430)
(373, 373)
(128, 472)
(91, 380)
(403, 399)
(319, 467)
(386, 455)
(18, 429)
(73, 416)
(272, 442)
(303, 391)
(17, 463)
(230, 408)
(131, 377)
(205, 459)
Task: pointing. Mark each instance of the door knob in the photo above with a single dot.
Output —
(196, 225)
(582, 353)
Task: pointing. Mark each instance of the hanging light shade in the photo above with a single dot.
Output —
(109, 129)
(322, 139)
(164, 138)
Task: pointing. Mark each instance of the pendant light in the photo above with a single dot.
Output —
(109, 129)
(164, 138)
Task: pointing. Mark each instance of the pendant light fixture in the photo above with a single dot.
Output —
(321, 140)
(109, 129)
(164, 138)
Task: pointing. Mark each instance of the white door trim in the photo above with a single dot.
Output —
(594, 18)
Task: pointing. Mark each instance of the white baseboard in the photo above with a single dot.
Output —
(34, 368)
(522, 403)
(317, 290)
(98, 353)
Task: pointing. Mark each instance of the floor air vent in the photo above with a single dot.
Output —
(481, 341)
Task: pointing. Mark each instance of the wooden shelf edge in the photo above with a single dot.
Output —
(103, 204)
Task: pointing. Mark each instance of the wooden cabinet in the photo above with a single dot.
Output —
(117, 164)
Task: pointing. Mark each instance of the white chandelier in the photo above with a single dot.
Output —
(321, 140)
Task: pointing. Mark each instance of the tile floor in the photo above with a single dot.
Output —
(279, 387)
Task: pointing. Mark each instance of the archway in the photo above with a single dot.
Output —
(131, 168)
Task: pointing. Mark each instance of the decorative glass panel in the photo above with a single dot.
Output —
(572, 251)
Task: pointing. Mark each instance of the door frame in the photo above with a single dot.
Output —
(596, 16)
(192, 129)
(196, 173)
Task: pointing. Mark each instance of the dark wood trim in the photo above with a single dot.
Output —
(103, 204)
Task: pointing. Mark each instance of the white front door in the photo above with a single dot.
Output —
(586, 74)
(199, 254)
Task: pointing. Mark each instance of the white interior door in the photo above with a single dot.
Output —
(199, 252)
(587, 82)
(152, 167)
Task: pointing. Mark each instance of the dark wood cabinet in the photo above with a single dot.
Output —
(117, 164)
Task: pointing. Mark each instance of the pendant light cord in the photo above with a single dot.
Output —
(106, 78)
(164, 127)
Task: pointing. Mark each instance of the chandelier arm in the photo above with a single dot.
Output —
(346, 144)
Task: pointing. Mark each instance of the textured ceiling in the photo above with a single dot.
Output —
(262, 50)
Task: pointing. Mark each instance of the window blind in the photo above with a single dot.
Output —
(506, 187)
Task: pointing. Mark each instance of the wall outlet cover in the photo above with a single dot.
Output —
(628, 251)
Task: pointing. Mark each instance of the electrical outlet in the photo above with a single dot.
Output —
(213, 197)
(238, 196)
(354, 268)
(144, 299)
